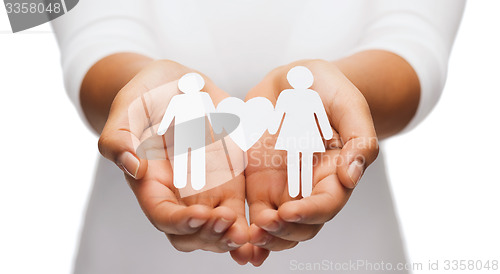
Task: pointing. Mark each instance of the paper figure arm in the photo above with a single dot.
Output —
(324, 123)
(208, 104)
(278, 113)
(168, 116)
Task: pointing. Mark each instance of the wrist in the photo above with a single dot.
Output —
(104, 80)
(389, 84)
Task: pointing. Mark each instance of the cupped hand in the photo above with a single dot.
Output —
(212, 219)
(278, 221)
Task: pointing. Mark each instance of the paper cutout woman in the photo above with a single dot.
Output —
(299, 134)
(189, 110)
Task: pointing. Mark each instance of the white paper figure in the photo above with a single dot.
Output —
(299, 133)
(253, 119)
(192, 107)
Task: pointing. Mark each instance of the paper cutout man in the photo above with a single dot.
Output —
(299, 133)
(192, 107)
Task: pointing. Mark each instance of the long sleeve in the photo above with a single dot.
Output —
(422, 32)
(95, 29)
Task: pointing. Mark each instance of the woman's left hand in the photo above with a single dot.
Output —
(278, 221)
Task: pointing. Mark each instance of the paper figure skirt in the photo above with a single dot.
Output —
(300, 135)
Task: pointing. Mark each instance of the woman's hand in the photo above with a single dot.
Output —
(213, 219)
(279, 222)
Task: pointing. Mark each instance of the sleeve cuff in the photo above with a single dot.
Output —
(430, 71)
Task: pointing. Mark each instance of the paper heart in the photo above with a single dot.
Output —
(254, 116)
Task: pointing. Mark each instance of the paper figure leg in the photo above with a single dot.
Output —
(306, 173)
(198, 171)
(180, 170)
(293, 170)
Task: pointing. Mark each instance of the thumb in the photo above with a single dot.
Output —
(351, 117)
(356, 155)
(117, 143)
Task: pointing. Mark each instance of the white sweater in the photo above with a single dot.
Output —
(237, 42)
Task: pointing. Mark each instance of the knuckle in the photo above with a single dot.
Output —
(217, 248)
(148, 215)
(155, 225)
(317, 64)
(290, 245)
(154, 222)
(279, 70)
(158, 219)
(180, 244)
(308, 237)
(312, 233)
(160, 64)
(374, 146)
(103, 144)
(180, 247)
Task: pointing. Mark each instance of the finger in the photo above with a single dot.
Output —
(161, 205)
(243, 254)
(259, 255)
(177, 219)
(221, 219)
(208, 237)
(267, 88)
(263, 239)
(237, 235)
(211, 237)
(256, 207)
(183, 243)
(191, 242)
(327, 199)
(270, 221)
(233, 199)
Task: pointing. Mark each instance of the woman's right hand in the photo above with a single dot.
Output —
(212, 220)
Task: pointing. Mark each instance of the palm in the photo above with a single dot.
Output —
(267, 182)
(268, 196)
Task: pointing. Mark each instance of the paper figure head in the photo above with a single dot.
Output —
(300, 77)
(191, 82)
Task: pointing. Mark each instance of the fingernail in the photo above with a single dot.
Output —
(232, 244)
(273, 226)
(355, 171)
(195, 223)
(129, 163)
(221, 225)
(294, 219)
(262, 242)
